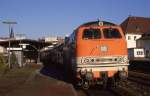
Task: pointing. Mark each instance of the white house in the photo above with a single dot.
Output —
(133, 28)
(131, 39)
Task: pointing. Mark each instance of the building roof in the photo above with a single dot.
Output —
(145, 36)
(3, 38)
(37, 44)
(98, 23)
(136, 25)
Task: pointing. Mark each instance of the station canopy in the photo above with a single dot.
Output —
(16, 43)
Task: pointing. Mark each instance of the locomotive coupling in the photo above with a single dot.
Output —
(122, 75)
(89, 76)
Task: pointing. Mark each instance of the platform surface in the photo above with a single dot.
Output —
(35, 84)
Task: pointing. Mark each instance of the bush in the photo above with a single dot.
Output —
(2, 60)
(3, 64)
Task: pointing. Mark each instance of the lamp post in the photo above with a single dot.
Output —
(9, 25)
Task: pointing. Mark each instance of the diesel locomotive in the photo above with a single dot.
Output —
(95, 53)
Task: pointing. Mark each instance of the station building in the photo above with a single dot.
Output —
(54, 40)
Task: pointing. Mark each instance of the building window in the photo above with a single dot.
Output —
(129, 37)
(134, 37)
(143, 35)
(139, 53)
(148, 35)
(147, 53)
(137, 28)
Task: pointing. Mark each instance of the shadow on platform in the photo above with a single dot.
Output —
(54, 72)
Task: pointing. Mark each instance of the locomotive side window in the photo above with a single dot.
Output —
(111, 33)
(91, 34)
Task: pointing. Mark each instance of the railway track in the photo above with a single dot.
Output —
(117, 91)
(140, 78)
(99, 92)
(139, 82)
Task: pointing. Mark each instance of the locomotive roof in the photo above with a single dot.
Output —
(98, 23)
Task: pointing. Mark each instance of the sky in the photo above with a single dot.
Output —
(43, 18)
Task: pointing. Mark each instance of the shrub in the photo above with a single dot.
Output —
(3, 64)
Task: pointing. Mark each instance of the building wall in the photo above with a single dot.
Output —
(2, 49)
(130, 54)
(19, 56)
(131, 40)
(139, 53)
(54, 40)
(51, 39)
(134, 53)
(146, 45)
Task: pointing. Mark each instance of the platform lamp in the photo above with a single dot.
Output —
(9, 25)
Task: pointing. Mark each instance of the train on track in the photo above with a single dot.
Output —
(95, 53)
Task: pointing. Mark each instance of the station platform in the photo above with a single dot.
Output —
(38, 84)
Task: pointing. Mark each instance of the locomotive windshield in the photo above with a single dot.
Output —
(91, 34)
(111, 33)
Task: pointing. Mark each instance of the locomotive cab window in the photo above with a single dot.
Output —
(91, 34)
(111, 33)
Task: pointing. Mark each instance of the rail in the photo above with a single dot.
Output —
(111, 91)
(140, 78)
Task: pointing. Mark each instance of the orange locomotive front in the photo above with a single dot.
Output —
(100, 53)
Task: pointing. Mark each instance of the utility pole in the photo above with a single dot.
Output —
(9, 25)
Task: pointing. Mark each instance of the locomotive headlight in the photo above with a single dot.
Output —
(125, 59)
(122, 59)
(86, 60)
(89, 76)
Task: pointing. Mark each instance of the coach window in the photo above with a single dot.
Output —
(111, 33)
(91, 34)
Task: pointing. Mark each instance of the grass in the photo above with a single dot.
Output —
(3, 65)
(15, 78)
